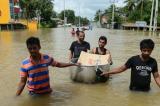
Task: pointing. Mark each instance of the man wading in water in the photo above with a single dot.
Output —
(34, 69)
(141, 68)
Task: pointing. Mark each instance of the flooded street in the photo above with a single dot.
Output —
(56, 42)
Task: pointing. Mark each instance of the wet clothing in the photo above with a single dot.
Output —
(97, 52)
(100, 78)
(141, 72)
(33, 94)
(104, 53)
(77, 47)
(37, 74)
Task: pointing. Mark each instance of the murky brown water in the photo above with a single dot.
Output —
(56, 42)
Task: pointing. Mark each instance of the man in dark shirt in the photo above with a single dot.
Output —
(78, 46)
(141, 68)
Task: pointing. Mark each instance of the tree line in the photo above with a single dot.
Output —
(45, 8)
(134, 10)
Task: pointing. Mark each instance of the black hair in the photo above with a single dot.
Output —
(103, 38)
(33, 41)
(80, 32)
(147, 43)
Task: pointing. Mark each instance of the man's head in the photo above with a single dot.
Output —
(33, 45)
(102, 41)
(146, 47)
(81, 36)
(77, 28)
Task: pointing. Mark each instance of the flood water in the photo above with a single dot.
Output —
(56, 43)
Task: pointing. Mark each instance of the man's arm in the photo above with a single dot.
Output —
(110, 57)
(61, 65)
(88, 48)
(21, 85)
(115, 70)
(157, 78)
(70, 55)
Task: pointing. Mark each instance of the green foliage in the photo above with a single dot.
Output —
(48, 24)
(71, 18)
(158, 20)
(135, 15)
(134, 10)
(141, 10)
(83, 21)
(96, 18)
(117, 15)
(45, 8)
(69, 14)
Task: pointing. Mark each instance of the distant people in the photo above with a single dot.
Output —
(78, 46)
(77, 31)
(101, 50)
(34, 69)
(73, 31)
(141, 68)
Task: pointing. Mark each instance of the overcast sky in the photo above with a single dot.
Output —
(87, 8)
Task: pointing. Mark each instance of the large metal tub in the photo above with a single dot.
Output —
(87, 74)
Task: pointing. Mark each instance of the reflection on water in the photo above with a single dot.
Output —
(56, 42)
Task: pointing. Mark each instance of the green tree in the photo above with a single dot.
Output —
(117, 14)
(138, 10)
(130, 4)
(141, 4)
(97, 15)
(25, 4)
(69, 14)
(45, 8)
(83, 21)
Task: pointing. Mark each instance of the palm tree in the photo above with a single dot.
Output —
(140, 6)
(130, 4)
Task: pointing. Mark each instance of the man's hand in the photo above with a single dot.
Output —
(77, 64)
(21, 85)
(106, 74)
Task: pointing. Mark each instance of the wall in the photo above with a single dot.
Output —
(4, 11)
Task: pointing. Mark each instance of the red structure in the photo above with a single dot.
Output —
(16, 7)
(16, 1)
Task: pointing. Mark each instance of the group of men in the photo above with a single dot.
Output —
(34, 69)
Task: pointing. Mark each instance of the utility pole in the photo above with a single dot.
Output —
(64, 15)
(113, 15)
(99, 18)
(151, 18)
(38, 14)
(153, 23)
(79, 21)
(113, 11)
(141, 9)
(156, 15)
